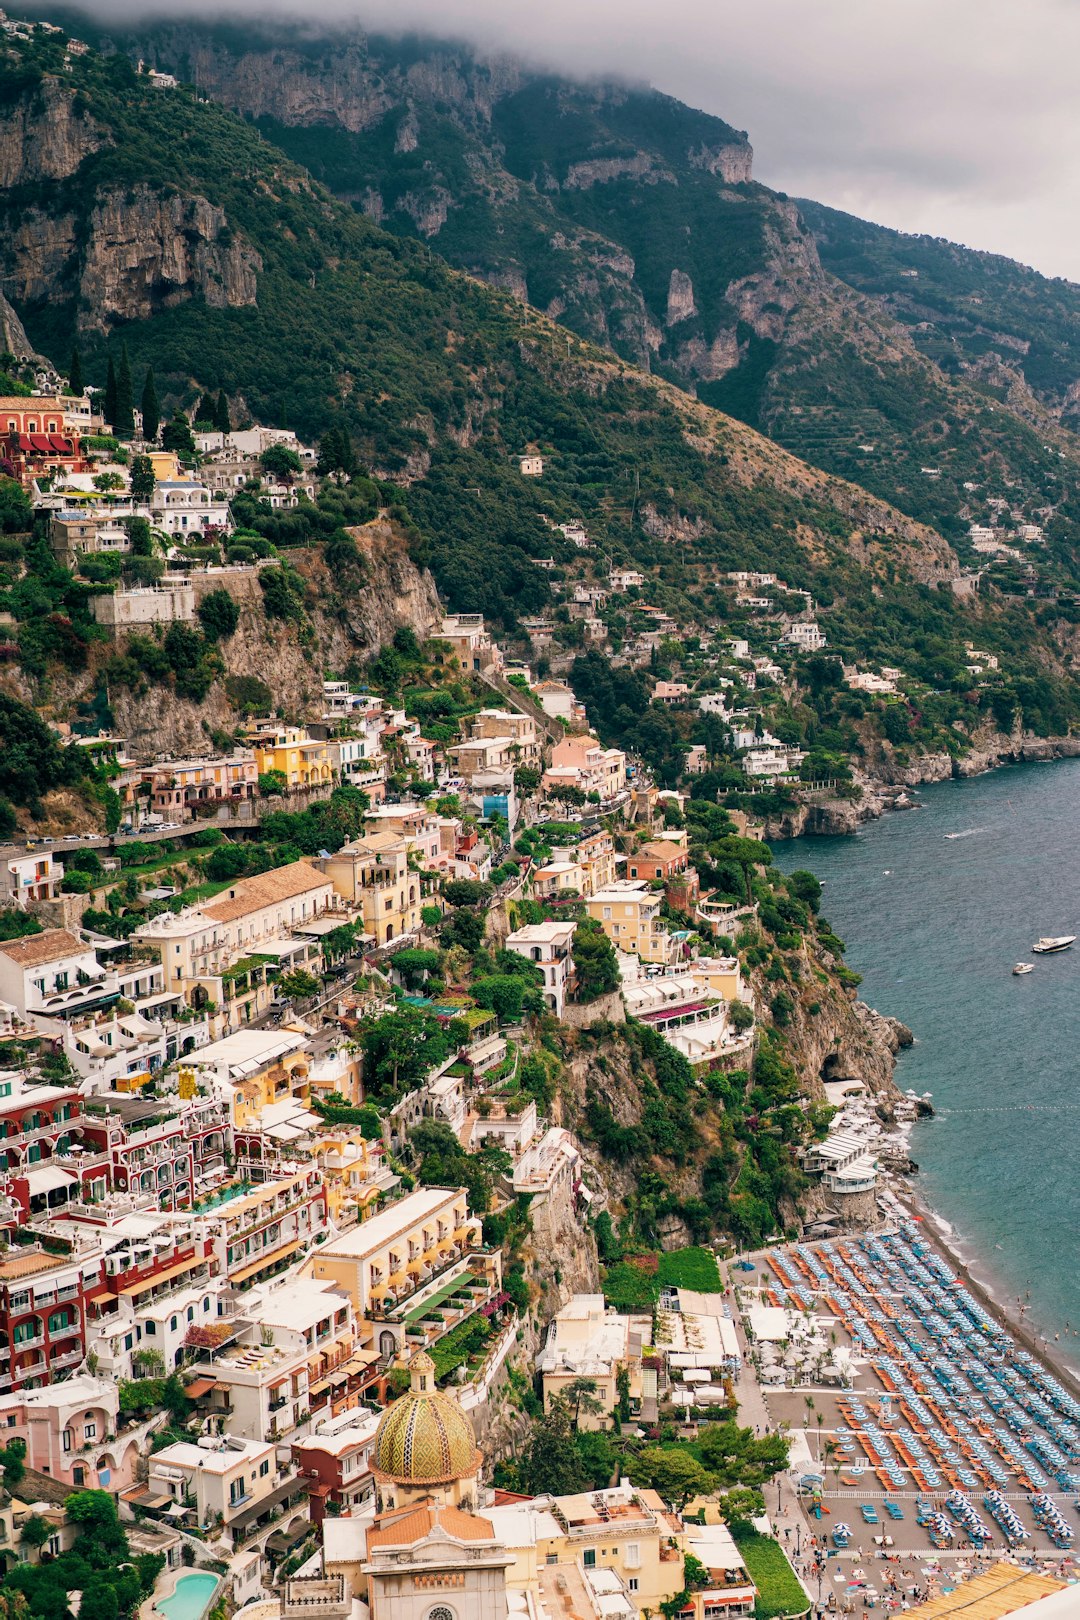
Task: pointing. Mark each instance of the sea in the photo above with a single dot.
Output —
(935, 905)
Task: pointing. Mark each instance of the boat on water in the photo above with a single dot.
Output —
(1047, 947)
(1023, 967)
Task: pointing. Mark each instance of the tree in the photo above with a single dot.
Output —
(222, 420)
(336, 454)
(399, 1049)
(219, 615)
(580, 1396)
(675, 1473)
(16, 510)
(35, 1531)
(551, 1464)
(14, 1465)
(76, 385)
(282, 462)
(205, 417)
(744, 852)
(526, 779)
(124, 420)
(151, 411)
(596, 965)
(142, 479)
(298, 984)
(805, 887)
(140, 534)
(110, 394)
(177, 435)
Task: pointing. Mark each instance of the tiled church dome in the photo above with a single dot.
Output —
(424, 1438)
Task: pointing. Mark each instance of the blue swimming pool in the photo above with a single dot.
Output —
(191, 1598)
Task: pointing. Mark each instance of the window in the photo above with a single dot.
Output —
(632, 1555)
(441, 1612)
(69, 1440)
(589, 1558)
(632, 1583)
(151, 1329)
(264, 1469)
(90, 1431)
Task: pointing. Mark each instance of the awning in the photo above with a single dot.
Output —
(60, 444)
(267, 1258)
(360, 1362)
(40, 443)
(199, 1387)
(320, 1387)
(164, 1275)
(48, 1179)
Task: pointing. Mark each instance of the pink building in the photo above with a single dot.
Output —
(70, 1430)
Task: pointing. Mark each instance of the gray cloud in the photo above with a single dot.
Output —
(957, 118)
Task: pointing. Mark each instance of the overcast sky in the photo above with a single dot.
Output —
(957, 117)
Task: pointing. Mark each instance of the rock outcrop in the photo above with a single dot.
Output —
(45, 135)
(147, 251)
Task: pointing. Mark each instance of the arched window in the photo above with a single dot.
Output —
(441, 1611)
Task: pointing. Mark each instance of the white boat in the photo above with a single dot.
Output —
(1024, 967)
(1046, 947)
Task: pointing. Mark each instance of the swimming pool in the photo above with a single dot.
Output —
(190, 1599)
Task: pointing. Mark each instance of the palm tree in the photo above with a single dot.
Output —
(581, 1396)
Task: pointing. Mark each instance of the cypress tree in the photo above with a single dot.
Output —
(205, 411)
(75, 376)
(124, 425)
(151, 411)
(221, 413)
(110, 394)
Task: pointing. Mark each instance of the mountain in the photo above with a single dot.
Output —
(140, 213)
(635, 221)
(975, 314)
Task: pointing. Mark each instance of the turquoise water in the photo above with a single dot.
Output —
(190, 1599)
(934, 925)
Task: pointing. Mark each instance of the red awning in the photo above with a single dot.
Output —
(22, 441)
(40, 443)
(61, 445)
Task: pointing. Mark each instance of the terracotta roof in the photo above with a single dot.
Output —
(419, 1522)
(36, 949)
(661, 850)
(251, 894)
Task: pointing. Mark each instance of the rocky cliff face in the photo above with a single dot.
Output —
(147, 251)
(291, 661)
(45, 136)
(120, 254)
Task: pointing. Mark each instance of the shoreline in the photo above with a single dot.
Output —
(939, 1234)
(838, 818)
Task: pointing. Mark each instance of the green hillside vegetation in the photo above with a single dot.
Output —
(961, 305)
(486, 166)
(440, 383)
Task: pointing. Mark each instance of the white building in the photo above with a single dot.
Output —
(184, 508)
(548, 945)
(805, 635)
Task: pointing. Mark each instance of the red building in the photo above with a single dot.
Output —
(337, 1466)
(35, 440)
(44, 1300)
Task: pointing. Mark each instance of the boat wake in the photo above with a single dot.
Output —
(968, 832)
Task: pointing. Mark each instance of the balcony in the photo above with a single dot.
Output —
(29, 1344)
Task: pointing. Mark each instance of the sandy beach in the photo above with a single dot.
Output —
(938, 1234)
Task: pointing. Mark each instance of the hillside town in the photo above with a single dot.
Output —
(287, 1157)
(277, 1102)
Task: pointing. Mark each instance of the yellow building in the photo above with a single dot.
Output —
(629, 914)
(374, 874)
(355, 1173)
(303, 761)
(423, 1249)
(166, 465)
(622, 1529)
(226, 950)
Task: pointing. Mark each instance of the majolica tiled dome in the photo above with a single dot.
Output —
(424, 1438)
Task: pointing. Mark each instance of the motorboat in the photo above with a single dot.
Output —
(1023, 967)
(1047, 947)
